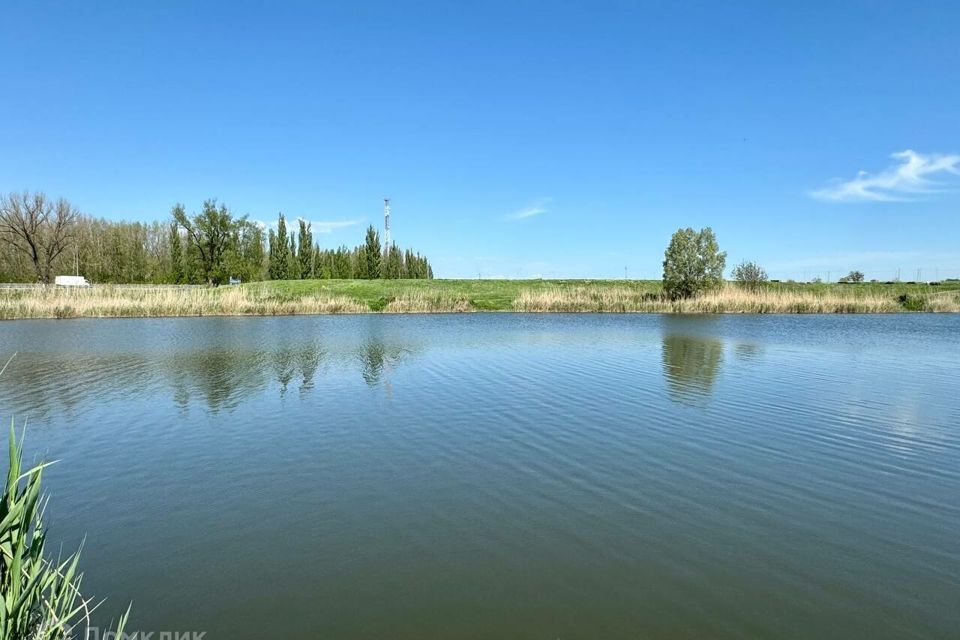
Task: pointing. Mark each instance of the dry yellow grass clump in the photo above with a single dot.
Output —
(946, 302)
(117, 302)
(730, 299)
(427, 302)
(578, 299)
(733, 299)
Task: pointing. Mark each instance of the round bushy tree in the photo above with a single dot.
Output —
(692, 263)
(749, 275)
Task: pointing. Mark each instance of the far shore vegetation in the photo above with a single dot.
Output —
(295, 297)
(177, 268)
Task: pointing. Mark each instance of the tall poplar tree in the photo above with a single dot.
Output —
(177, 275)
(373, 253)
(280, 252)
(293, 264)
(306, 255)
(393, 267)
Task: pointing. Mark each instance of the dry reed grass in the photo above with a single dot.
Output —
(109, 302)
(106, 302)
(730, 299)
(428, 302)
(945, 302)
(579, 299)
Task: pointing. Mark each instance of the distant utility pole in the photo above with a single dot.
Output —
(386, 225)
(625, 274)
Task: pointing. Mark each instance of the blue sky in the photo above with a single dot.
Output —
(517, 139)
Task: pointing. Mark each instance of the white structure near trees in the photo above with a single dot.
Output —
(71, 281)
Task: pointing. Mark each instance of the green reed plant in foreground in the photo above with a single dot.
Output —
(41, 596)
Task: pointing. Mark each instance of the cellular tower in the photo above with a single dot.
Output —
(386, 225)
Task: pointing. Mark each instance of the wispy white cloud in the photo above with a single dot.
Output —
(329, 226)
(910, 176)
(318, 226)
(535, 208)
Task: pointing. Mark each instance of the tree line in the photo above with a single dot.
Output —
(287, 259)
(693, 264)
(41, 237)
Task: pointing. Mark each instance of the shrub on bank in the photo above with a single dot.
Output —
(912, 302)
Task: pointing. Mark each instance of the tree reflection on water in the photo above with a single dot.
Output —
(691, 365)
(378, 358)
(223, 378)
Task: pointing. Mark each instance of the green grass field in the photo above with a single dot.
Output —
(500, 295)
(483, 295)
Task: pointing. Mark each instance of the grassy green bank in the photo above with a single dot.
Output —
(638, 295)
(426, 296)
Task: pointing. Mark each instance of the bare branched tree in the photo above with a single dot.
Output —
(37, 227)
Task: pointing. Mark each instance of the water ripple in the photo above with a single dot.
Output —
(535, 476)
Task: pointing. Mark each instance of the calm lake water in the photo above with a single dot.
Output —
(504, 476)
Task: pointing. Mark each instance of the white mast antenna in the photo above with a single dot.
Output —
(386, 225)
